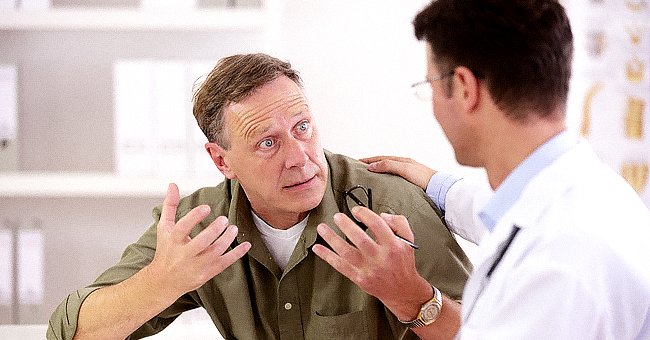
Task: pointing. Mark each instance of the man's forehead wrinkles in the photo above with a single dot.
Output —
(251, 121)
(253, 125)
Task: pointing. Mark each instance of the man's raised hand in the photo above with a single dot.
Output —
(184, 264)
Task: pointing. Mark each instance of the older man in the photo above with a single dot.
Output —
(242, 249)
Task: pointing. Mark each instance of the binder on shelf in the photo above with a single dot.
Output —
(171, 104)
(7, 4)
(35, 4)
(8, 118)
(30, 266)
(6, 266)
(156, 134)
(133, 118)
(167, 5)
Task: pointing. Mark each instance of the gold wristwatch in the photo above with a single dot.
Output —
(429, 311)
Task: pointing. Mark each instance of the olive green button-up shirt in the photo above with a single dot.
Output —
(255, 299)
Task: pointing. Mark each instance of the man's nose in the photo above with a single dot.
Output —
(295, 154)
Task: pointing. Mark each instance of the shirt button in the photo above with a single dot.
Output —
(287, 306)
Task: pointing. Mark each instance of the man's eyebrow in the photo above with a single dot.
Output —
(263, 130)
(300, 113)
(268, 127)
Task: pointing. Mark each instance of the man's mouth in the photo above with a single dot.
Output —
(296, 184)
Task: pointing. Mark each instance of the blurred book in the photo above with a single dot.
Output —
(156, 133)
(168, 4)
(30, 266)
(96, 3)
(8, 118)
(7, 4)
(134, 149)
(6, 266)
(34, 4)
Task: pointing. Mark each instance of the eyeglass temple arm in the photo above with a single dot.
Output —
(358, 201)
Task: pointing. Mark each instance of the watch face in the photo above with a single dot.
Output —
(430, 313)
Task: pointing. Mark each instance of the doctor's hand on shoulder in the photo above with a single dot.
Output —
(412, 171)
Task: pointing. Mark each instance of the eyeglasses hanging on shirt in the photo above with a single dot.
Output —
(360, 196)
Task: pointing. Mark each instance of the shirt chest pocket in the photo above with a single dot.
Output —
(345, 326)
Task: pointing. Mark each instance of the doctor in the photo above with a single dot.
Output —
(564, 241)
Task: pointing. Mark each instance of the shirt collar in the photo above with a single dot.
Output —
(241, 215)
(509, 191)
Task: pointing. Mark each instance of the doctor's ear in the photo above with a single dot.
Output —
(469, 87)
(219, 158)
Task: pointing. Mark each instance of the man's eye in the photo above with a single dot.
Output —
(266, 144)
(303, 127)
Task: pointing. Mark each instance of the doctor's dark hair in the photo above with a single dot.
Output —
(232, 80)
(522, 49)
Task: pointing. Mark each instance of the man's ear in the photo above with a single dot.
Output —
(218, 155)
(469, 87)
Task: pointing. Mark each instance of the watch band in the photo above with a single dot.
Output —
(429, 311)
(415, 323)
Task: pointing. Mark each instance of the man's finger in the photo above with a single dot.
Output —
(340, 246)
(222, 242)
(356, 235)
(209, 235)
(168, 213)
(334, 260)
(227, 259)
(185, 224)
(399, 225)
(383, 233)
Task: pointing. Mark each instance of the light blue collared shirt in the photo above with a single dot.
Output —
(510, 190)
(438, 186)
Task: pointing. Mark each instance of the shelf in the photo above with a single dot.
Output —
(240, 19)
(49, 185)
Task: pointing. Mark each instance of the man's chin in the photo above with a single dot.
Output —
(307, 201)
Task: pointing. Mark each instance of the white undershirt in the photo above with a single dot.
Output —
(281, 243)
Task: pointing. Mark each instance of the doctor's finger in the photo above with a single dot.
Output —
(374, 159)
(410, 170)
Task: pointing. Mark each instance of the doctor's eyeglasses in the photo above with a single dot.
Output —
(360, 196)
(423, 90)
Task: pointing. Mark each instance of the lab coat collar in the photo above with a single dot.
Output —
(508, 193)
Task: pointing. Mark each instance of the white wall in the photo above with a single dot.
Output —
(358, 60)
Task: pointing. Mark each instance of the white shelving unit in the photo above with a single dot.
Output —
(87, 212)
(56, 184)
(58, 19)
(66, 184)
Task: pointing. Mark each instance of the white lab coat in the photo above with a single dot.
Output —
(578, 269)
